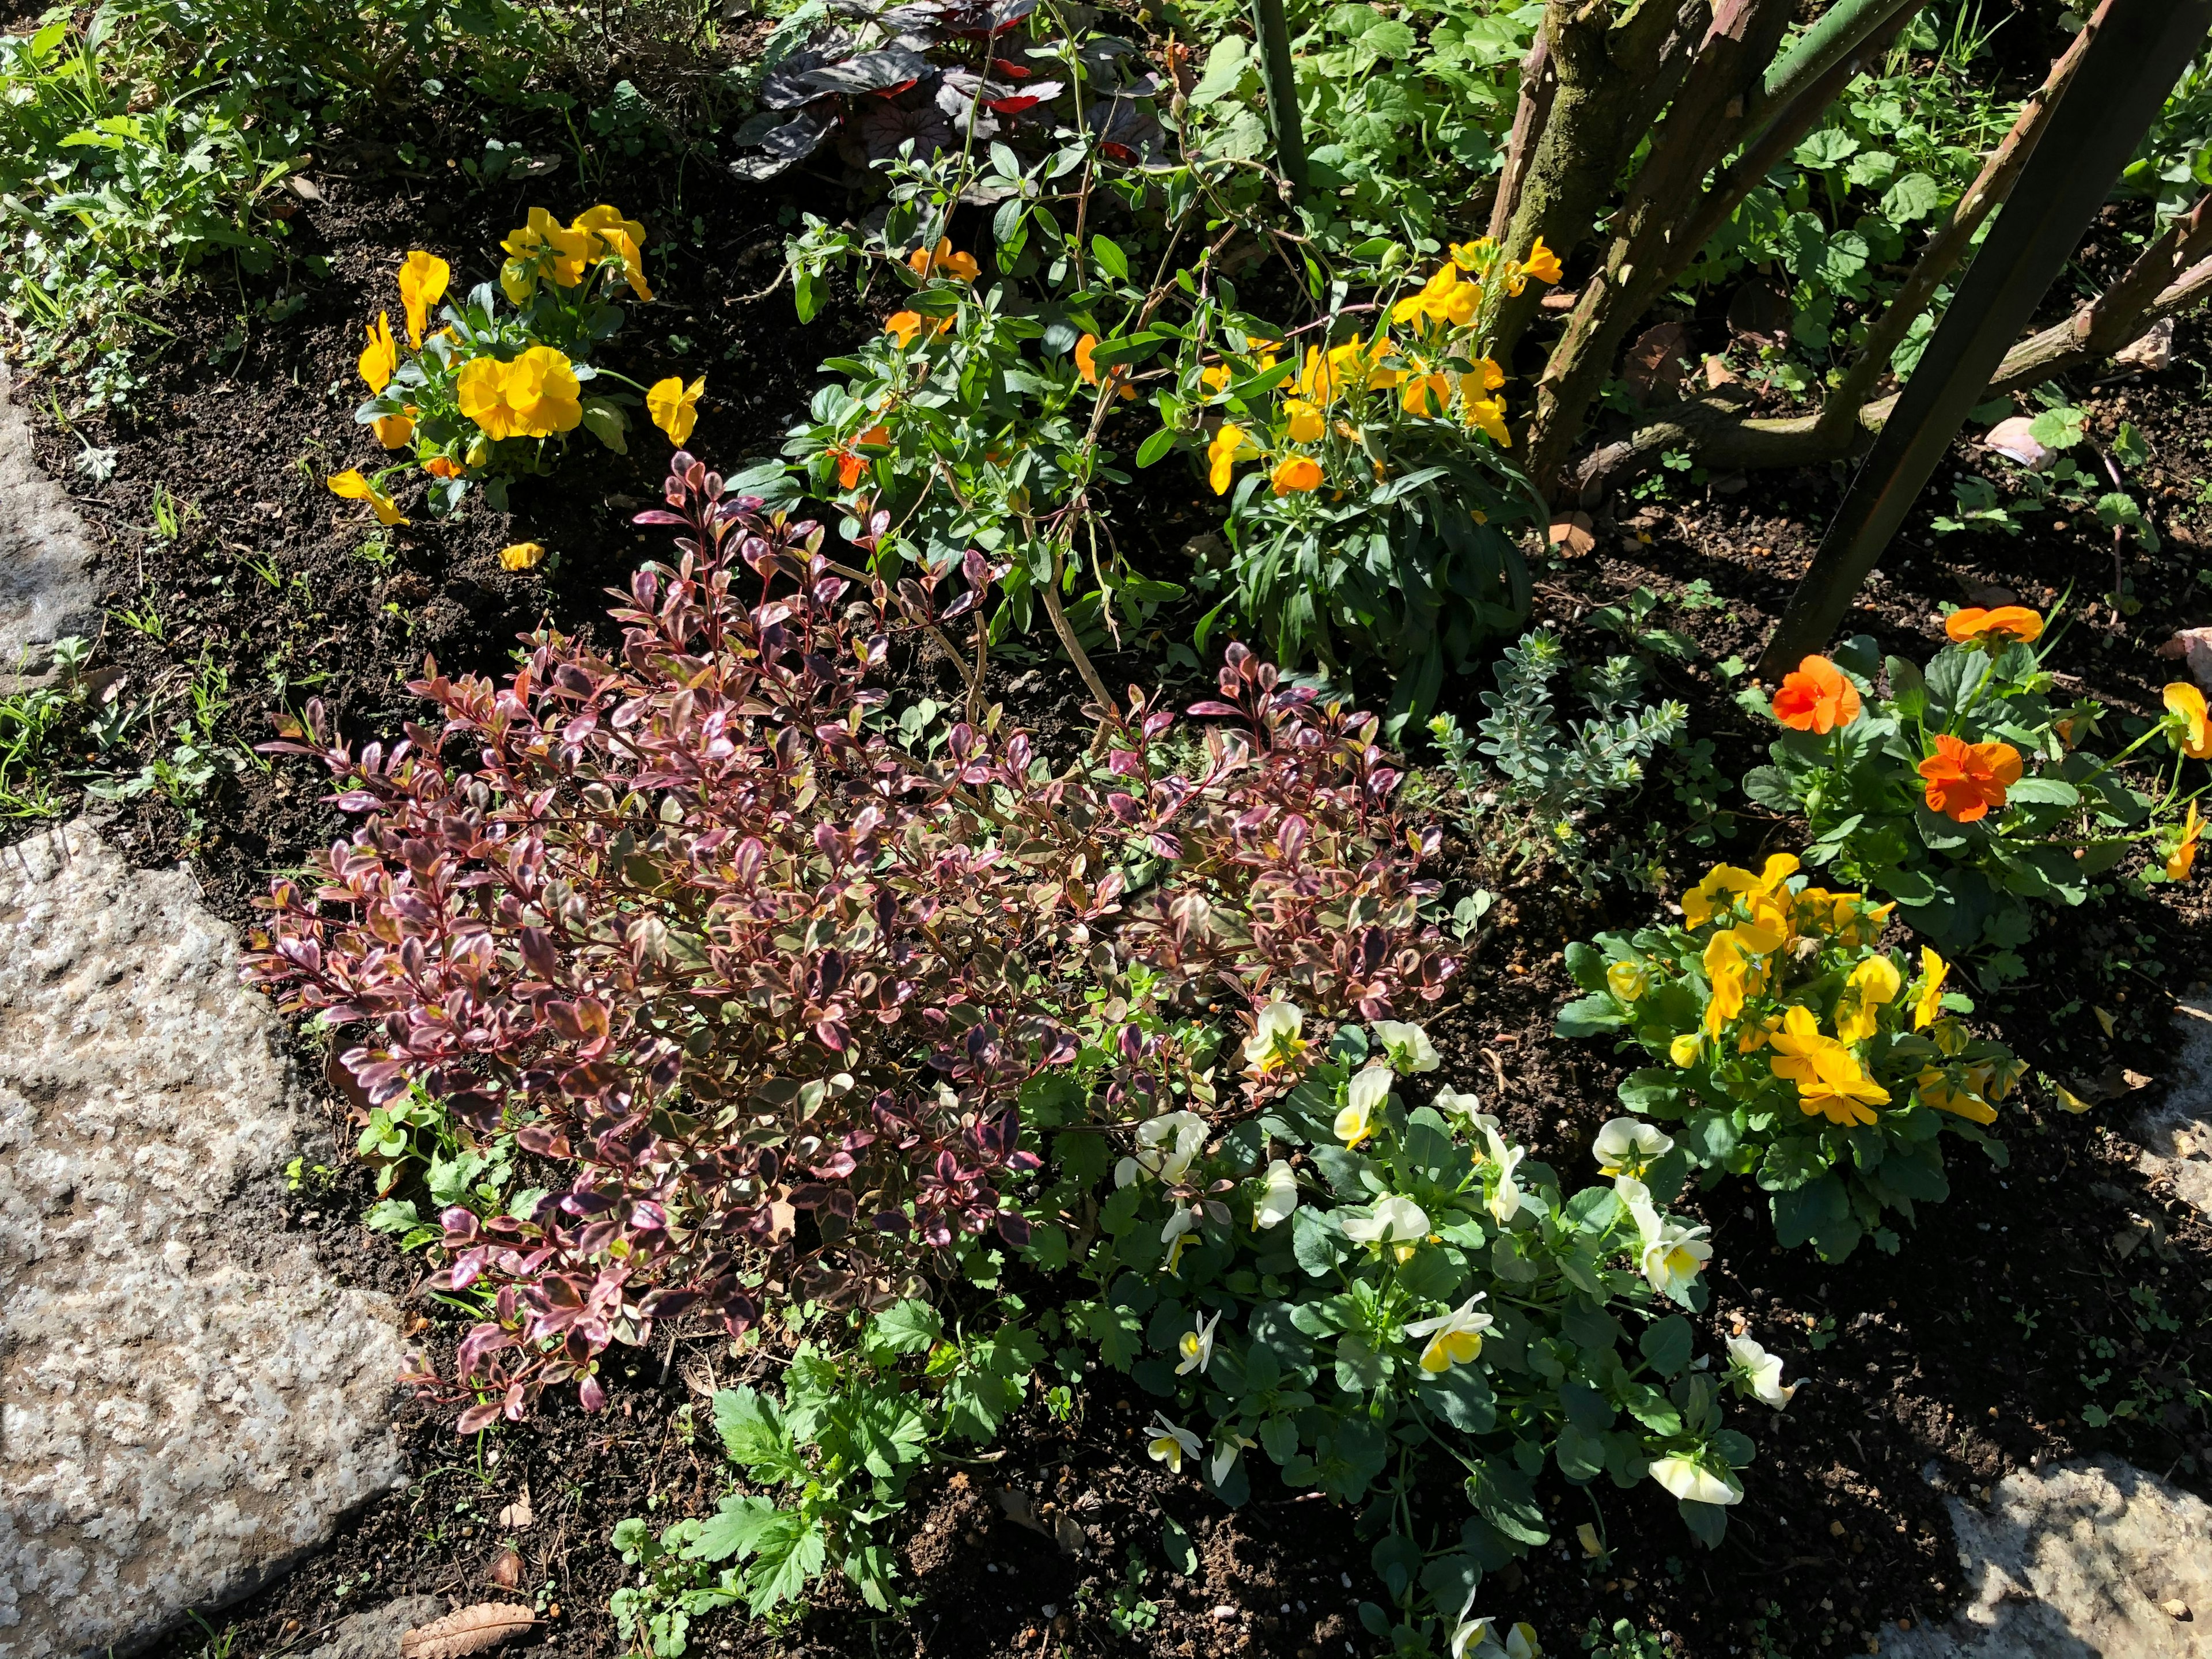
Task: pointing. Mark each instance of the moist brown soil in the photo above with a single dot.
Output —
(1929, 1373)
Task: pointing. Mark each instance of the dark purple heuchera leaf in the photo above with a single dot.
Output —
(631, 906)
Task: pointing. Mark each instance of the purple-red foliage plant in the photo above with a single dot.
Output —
(758, 990)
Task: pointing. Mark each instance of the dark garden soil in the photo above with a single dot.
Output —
(1938, 1370)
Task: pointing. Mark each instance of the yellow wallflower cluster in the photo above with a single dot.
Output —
(1425, 364)
(1772, 979)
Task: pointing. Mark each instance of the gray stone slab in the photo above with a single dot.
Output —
(2095, 1560)
(46, 590)
(375, 1633)
(188, 1402)
(2176, 1135)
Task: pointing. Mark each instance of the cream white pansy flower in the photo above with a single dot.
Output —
(1758, 1373)
(1694, 1482)
(1454, 1339)
(1504, 1201)
(1197, 1348)
(1395, 1221)
(1674, 1256)
(1362, 1103)
(1275, 1042)
(1408, 1045)
(1278, 1200)
(1470, 1637)
(1463, 1108)
(1170, 1444)
(1628, 1146)
(1165, 1147)
(1521, 1642)
(1179, 1232)
(1224, 1453)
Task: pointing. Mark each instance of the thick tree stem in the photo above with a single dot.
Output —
(1714, 429)
(1539, 81)
(1705, 123)
(1609, 58)
(1841, 36)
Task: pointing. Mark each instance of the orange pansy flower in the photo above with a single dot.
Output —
(1965, 779)
(1817, 697)
(2006, 621)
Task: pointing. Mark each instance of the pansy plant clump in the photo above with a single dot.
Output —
(1356, 1276)
(1969, 792)
(759, 991)
(1368, 482)
(478, 399)
(1793, 1045)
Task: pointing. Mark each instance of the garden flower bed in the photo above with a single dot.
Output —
(872, 1152)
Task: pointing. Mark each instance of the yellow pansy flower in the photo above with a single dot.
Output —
(563, 251)
(380, 358)
(392, 431)
(1929, 1002)
(521, 555)
(600, 226)
(352, 487)
(422, 278)
(674, 406)
(1831, 1082)
(1872, 983)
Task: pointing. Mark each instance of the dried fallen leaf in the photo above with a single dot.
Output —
(2174, 1609)
(506, 1569)
(1718, 374)
(2196, 645)
(1016, 1504)
(471, 1630)
(1654, 368)
(2152, 350)
(1070, 1537)
(517, 1515)
(1586, 1535)
(2105, 1019)
(1760, 312)
(2015, 440)
(1573, 534)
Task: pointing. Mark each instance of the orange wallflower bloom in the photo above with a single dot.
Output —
(960, 267)
(1086, 365)
(851, 464)
(1816, 697)
(1295, 475)
(1964, 779)
(2006, 621)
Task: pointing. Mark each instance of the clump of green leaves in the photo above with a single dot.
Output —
(1870, 791)
(1362, 1289)
(1404, 109)
(2044, 474)
(859, 1417)
(1538, 780)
